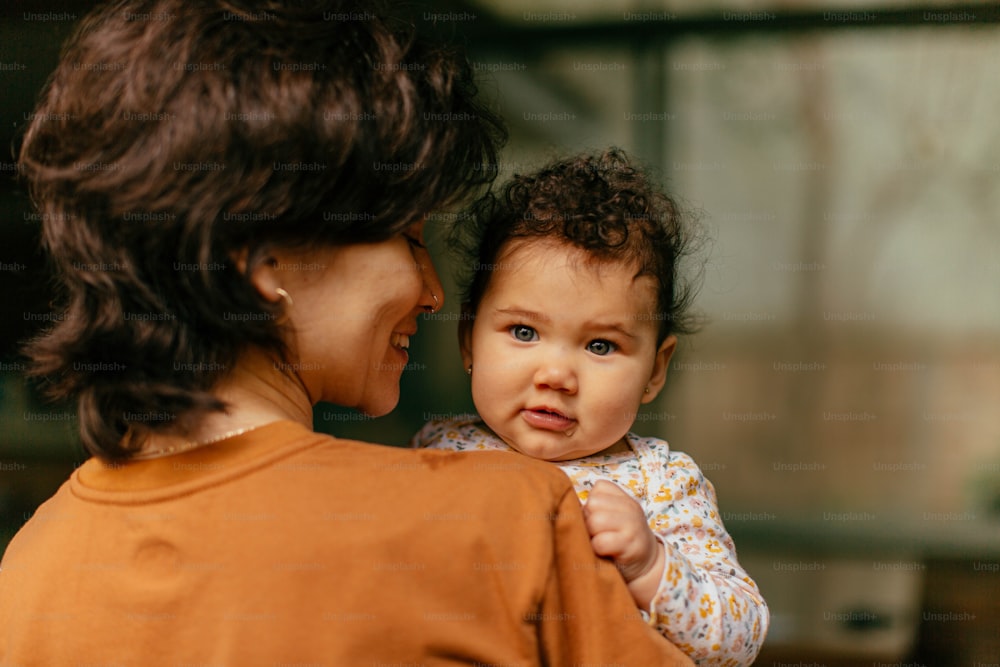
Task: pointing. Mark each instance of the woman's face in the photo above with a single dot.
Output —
(354, 310)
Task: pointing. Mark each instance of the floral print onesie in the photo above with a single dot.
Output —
(706, 603)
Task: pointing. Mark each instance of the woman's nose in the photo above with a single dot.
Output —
(433, 297)
(434, 283)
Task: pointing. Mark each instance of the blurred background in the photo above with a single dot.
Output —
(842, 158)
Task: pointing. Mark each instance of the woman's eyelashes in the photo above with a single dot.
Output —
(415, 241)
(418, 249)
(526, 334)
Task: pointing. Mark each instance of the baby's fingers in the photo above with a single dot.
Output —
(603, 490)
(606, 496)
(601, 519)
(608, 543)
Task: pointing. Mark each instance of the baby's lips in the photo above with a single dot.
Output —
(547, 419)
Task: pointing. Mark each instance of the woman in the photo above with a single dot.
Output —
(234, 199)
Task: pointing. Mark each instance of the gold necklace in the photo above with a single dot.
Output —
(186, 446)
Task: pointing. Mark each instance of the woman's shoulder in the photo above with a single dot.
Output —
(436, 465)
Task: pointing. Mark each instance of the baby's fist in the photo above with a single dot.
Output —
(618, 530)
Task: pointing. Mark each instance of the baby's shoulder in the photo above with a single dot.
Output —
(457, 433)
(659, 451)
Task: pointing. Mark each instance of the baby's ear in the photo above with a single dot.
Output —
(465, 322)
(660, 365)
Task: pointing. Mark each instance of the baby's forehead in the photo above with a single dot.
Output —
(525, 254)
(541, 265)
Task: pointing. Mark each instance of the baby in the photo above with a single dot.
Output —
(572, 302)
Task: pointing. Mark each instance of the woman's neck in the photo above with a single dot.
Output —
(259, 391)
(256, 392)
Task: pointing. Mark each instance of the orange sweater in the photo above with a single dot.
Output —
(282, 546)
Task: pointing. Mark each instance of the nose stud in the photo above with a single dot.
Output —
(434, 308)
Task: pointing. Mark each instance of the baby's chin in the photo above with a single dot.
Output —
(548, 452)
(552, 454)
(570, 454)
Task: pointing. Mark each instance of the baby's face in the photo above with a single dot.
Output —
(562, 349)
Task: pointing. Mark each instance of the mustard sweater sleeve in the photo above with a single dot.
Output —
(587, 615)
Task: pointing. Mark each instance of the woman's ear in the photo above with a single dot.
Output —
(660, 365)
(263, 276)
(465, 322)
(239, 258)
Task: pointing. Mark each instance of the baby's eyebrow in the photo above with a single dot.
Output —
(528, 315)
(613, 326)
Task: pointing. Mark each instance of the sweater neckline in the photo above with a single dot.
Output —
(162, 478)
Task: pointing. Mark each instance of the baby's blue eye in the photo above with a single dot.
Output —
(601, 347)
(523, 333)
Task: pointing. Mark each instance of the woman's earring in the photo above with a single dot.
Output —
(285, 295)
(646, 390)
(469, 369)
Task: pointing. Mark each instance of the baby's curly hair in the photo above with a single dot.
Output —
(600, 203)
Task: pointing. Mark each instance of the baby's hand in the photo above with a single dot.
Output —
(618, 530)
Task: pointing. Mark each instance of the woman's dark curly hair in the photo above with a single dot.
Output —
(174, 136)
(599, 203)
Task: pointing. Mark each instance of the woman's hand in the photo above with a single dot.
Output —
(618, 530)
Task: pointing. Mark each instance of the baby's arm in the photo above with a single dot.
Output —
(618, 530)
(706, 599)
(687, 576)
